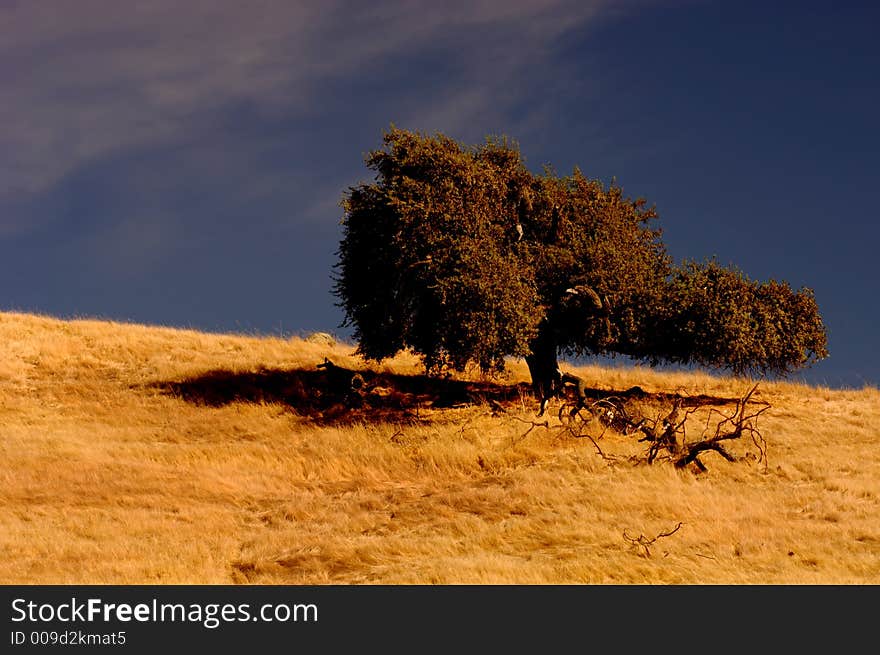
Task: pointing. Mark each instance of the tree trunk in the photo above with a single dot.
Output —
(543, 366)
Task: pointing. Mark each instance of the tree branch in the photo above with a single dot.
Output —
(644, 542)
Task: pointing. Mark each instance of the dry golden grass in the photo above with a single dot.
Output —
(106, 478)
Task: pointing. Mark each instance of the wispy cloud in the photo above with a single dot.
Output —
(100, 80)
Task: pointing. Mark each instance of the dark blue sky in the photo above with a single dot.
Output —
(182, 164)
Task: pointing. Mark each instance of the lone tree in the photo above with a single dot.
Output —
(461, 254)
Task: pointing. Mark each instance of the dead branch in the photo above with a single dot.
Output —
(693, 453)
(644, 542)
(667, 434)
(577, 426)
(663, 432)
(533, 424)
(761, 445)
(607, 458)
(743, 420)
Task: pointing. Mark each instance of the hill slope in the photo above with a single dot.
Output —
(114, 472)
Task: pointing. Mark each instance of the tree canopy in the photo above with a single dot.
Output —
(463, 255)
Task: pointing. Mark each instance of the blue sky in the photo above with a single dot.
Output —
(182, 163)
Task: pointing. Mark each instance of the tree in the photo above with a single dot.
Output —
(717, 317)
(461, 254)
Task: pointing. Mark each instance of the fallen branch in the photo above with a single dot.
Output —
(607, 458)
(534, 424)
(644, 542)
(740, 422)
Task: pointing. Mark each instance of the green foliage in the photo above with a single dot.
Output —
(428, 258)
(718, 317)
(463, 255)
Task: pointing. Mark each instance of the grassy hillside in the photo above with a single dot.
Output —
(137, 454)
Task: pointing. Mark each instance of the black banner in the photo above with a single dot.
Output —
(410, 618)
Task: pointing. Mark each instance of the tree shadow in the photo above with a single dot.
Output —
(331, 394)
(687, 400)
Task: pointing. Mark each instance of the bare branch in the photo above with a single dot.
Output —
(533, 424)
(671, 532)
(667, 434)
(607, 458)
(741, 421)
(644, 542)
